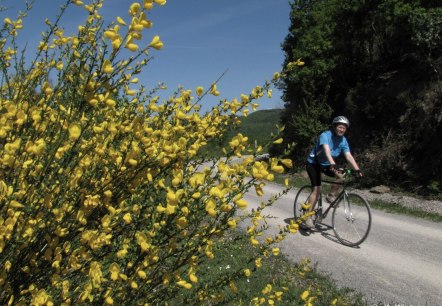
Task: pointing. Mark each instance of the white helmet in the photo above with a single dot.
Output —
(341, 120)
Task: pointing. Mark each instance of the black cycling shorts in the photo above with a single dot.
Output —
(314, 173)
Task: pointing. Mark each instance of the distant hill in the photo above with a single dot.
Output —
(258, 126)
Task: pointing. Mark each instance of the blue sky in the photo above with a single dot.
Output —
(202, 39)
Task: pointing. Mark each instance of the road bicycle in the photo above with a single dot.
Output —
(351, 216)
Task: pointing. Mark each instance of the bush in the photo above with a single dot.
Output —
(105, 196)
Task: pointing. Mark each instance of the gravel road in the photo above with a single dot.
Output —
(400, 263)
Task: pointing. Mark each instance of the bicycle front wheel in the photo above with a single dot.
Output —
(301, 198)
(351, 219)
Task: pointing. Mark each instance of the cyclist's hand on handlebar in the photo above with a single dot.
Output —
(359, 173)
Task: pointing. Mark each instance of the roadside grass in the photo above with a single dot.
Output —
(277, 273)
(397, 208)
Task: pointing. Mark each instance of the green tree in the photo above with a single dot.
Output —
(383, 72)
(305, 90)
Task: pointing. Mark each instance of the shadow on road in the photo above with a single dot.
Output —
(326, 230)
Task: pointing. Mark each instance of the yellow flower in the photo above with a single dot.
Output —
(184, 284)
(299, 62)
(258, 189)
(306, 206)
(210, 207)
(114, 269)
(42, 298)
(127, 218)
(133, 285)
(213, 90)
(193, 278)
(141, 274)
(247, 272)
(278, 141)
(277, 168)
(74, 131)
(134, 9)
(122, 253)
(305, 295)
(231, 223)
(275, 251)
(132, 47)
(199, 90)
(287, 162)
(241, 203)
(156, 43)
(109, 300)
(16, 204)
(95, 274)
(121, 21)
(267, 289)
(182, 222)
(107, 67)
(148, 4)
(276, 76)
(132, 162)
(254, 241)
(110, 102)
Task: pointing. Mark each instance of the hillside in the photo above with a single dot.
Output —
(258, 126)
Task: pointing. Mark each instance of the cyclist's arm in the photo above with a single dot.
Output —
(349, 157)
(327, 153)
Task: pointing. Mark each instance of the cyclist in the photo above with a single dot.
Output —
(329, 146)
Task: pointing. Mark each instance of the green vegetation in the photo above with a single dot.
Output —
(397, 208)
(283, 281)
(257, 126)
(378, 63)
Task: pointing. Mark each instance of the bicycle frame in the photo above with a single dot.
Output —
(323, 214)
(351, 216)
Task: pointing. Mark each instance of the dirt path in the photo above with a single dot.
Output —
(400, 263)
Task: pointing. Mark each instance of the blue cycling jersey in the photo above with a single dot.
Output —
(336, 144)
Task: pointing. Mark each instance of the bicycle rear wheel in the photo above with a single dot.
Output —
(351, 219)
(301, 198)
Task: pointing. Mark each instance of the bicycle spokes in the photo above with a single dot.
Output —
(351, 219)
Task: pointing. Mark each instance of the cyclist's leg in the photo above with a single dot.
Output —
(335, 188)
(314, 174)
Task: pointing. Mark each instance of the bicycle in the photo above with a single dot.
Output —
(351, 218)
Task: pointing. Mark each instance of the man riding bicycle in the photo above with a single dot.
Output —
(329, 146)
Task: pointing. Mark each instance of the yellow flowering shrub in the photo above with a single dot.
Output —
(105, 196)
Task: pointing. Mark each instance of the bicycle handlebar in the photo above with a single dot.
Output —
(348, 171)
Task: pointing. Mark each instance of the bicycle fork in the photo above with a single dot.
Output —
(347, 210)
